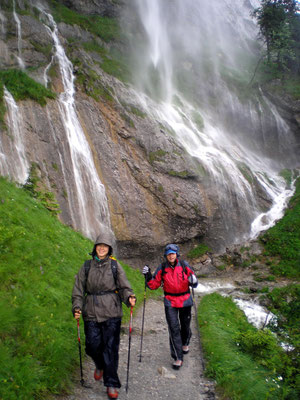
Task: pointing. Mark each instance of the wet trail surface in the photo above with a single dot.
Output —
(153, 378)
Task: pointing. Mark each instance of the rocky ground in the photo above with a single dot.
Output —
(153, 378)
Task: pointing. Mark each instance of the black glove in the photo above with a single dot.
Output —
(193, 281)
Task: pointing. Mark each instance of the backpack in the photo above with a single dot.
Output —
(114, 269)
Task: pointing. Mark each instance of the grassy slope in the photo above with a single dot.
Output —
(256, 370)
(236, 373)
(39, 258)
(282, 241)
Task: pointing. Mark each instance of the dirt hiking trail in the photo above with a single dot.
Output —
(153, 378)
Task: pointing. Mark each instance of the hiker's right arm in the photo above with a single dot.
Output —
(78, 291)
(155, 281)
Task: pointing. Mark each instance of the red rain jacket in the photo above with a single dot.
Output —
(175, 284)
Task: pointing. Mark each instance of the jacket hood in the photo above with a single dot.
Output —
(106, 238)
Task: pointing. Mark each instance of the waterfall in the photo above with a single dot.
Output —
(13, 162)
(192, 62)
(19, 33)
(85, 192)
(2, 22)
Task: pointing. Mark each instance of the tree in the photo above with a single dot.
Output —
(277, 20)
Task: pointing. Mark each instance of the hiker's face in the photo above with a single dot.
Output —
(102, 250)
(171, 257)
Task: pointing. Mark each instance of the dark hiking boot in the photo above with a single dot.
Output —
(98, 373)
(185, 349)
(112, 393)
(177, 364)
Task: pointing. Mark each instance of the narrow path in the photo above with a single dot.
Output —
(153, 378)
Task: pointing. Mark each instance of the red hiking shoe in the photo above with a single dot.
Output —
(98, 373)
(112, 393)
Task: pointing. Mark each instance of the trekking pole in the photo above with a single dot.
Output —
(129, 344)
(80, 359)
(142, 334)
(79, 348)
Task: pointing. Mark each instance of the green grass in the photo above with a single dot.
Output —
(22, 87)
(106, 28)
(234, 352)
(198, 251)
(283, 240)
(39, 258)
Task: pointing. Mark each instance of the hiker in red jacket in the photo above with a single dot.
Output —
(175, 276)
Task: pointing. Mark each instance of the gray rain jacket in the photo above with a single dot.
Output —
(100, 307)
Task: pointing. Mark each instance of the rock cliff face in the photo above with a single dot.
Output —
(153, 189)
(156, 193)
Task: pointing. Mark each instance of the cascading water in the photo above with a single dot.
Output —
(19, 33)
(2, 22)
(85, 192)
(191, 68)
(12, 150)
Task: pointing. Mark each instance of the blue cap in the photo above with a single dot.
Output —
(170, 252)
(171, 248)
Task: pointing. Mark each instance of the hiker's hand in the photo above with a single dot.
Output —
(192, 280)
(146, 269)
(132, 300)
(77, 313)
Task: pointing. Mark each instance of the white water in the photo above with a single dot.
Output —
(210, 43)
(2, 22)
(211, 287)
(19, 33)
(256, 314)
(13, 162)
(85, 192)
(266, 220)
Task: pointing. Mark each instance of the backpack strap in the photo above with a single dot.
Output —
(114, 268)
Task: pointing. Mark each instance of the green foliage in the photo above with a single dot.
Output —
(285, 303)
(22, 87)
(262, 346)
(35, 187)
(198, 251)
(283, 240)
(181, 174)
(113, 61)
(104, 27)
(39, 258)
(237, 373)
(157, 155)
(279, 28)
(116, 64)
(91, 83)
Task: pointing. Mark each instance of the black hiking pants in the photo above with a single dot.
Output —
(179, 321)
(102, 341)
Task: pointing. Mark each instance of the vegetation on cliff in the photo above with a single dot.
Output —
(21, 87)
(279, 24)
(282, 241)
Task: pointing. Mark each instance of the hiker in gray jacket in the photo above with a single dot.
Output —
(99, 290)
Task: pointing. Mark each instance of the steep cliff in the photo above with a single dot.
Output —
(156, 192)
(153, 188)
